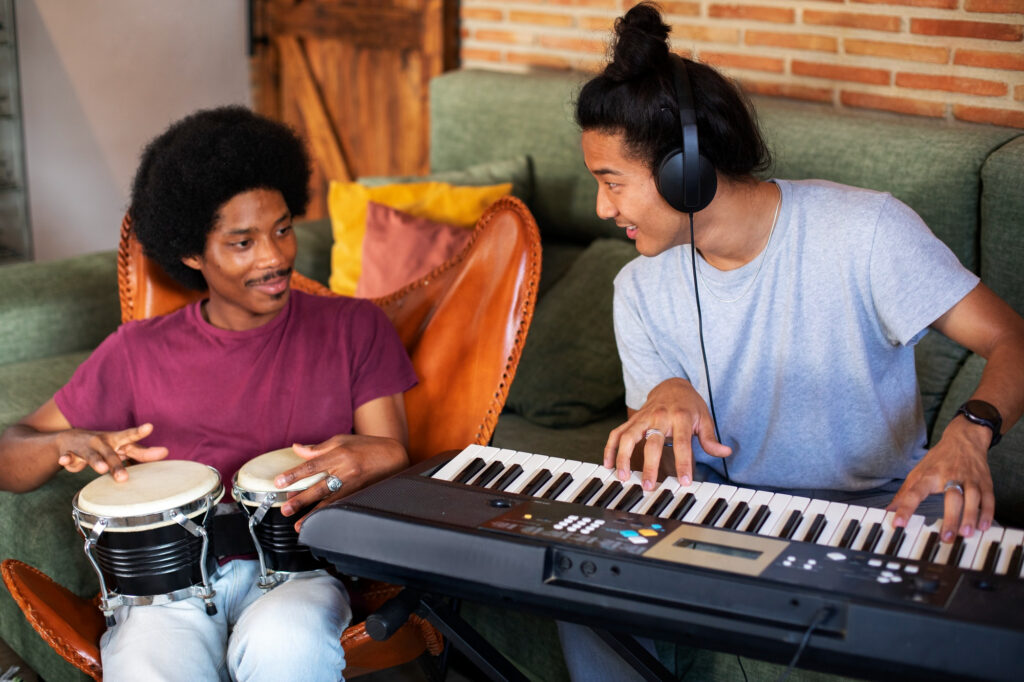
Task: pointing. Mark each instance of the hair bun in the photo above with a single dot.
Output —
(640, 45)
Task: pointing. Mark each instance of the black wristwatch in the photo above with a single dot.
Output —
(980, 412)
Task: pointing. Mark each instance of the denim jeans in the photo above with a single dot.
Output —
(291, 632)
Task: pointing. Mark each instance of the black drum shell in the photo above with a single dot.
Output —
(279, 541)
(149, 562)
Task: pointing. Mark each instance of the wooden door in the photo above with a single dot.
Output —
(352, 77)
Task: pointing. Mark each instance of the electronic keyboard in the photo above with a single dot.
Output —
(716, 566)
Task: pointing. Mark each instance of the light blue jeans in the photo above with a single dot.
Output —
(291, 632)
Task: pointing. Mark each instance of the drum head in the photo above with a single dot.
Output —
(258, 474)
(152, 487)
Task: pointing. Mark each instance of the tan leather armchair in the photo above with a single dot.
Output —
(463, 326)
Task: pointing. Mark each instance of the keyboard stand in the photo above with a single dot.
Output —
(395, 612)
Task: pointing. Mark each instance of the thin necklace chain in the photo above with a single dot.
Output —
(763, 256)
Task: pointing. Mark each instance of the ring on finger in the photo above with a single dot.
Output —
(958, 486)
(333, 483)
(651, 432)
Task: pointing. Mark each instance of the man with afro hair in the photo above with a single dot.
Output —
(251, 368)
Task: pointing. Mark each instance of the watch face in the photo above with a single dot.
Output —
(979, 408)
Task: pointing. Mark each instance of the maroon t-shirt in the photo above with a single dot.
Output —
(222, 397)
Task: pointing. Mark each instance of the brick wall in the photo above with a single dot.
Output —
(945, 59)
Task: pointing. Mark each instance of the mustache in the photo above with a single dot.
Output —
(284, 272)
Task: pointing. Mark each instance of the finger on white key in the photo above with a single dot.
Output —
(912, 531)
(970, 549)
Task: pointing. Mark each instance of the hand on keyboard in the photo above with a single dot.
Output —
(673, 410)
(960, 457)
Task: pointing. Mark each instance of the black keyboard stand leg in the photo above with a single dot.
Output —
(467, 640)
(631, 651)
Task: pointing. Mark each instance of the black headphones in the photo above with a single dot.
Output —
(686, 179)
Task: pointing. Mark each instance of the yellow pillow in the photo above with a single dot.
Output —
(437, 201)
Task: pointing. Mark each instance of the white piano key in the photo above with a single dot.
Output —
(459, 462)
(945, 549)
(702, 496)
(724, 492)
(922, 539)
(681, 492)
(742, 495)
(517, 458)
(993, 535)
(915, 524)
(671, 484)
(814, 507)
(635, 478)
(872, 516)
(501, 456)
(530, 468)
(796, 504)
(581, 477)
(854, 512)
(1012, 537)
(834, 513)
(886, 534)
(776, 506)
(971, 546)
(568, 466)
(760, 498)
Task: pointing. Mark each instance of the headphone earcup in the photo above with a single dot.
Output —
(671, 182)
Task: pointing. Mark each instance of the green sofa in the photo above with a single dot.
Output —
(964, 180)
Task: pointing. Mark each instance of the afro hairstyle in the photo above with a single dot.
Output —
(197, 165)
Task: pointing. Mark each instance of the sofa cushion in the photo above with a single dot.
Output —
(57, 307)
(1002, 222)
(516, 169)
(1003, 459)
(26, 385)
(570, 373)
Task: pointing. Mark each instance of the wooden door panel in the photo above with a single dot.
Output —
(352, 77)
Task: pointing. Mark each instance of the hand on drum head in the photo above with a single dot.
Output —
(106, 451)
(353, 458)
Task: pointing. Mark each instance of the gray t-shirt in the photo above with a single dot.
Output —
(812, 366)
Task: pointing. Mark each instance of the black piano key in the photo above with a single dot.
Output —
(588, 491)
(684, 506)
(509, 476)
(609, 494)
(896, 541)
(816, 528)
(660, 502)
(991, 557)
(716, 511)
(1016, 559)
(737, 515)
(874, 533)
(760, 516)
(792, 522)
(957, 551)
(632, 496)
(488, 474)
(536, 483)
(563, 481)
(931, 547)
(470, 471)
(849, 534)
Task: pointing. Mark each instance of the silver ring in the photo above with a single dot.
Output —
(954, 485)
(650, 432)
(333, 483)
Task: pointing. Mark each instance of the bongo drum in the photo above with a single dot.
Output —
(277, 542)
(147, 538)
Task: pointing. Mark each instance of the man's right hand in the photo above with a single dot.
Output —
(106, 451)
(673, 409)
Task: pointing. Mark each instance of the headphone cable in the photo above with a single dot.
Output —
(703, 352)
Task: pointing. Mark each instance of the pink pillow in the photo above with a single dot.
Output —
(400, 248)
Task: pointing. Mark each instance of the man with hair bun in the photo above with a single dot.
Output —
(767, 330)
(253, 367)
